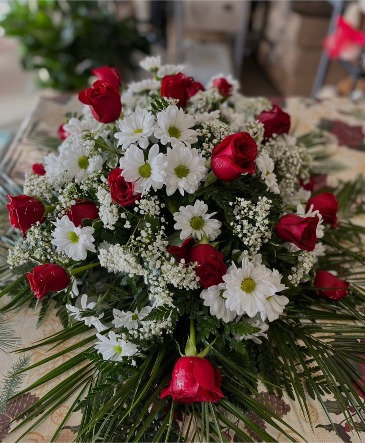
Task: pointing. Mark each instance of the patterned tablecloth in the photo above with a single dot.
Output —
(340, 117)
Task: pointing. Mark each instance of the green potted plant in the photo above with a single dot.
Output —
(62, 40)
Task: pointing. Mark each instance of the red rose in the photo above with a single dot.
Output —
(194, 379)
(25, 211)
(109, 75)
(211, 266)
(81, 211)
(47, 278)
(224, 88)
(62, 133)
(122, 192)
(315, 183)
(104, 101)
(183, 251)
(235, 155)
(298, 230)
(275, 121)
(194, 88)
(327, 204)
(330, 286)
(38, 168)
(179, 86)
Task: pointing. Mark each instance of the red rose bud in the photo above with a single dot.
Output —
(327, 204)
(25, 211)
(180, 87)
(234, 156)
(81, 211)
(62, 133)
(193, 89)
(308, 185)
(47, 278)
(330, 286)
(122, 192)
(38, 168)
(109, 75)
(211, 266)
(194, 379)
(182, 252)
(224, 88)
(298, 230)
(104, 101)
(275, 121)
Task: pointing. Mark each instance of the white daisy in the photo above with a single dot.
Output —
(248, 287)
(266, 166)
(301, 196)
(273, 307)
(145, 174)
(53, 165)
(169, 70)
(76, 126)
(73, 241)
(215, 299)
(151, 64)
(185, 170)
(310, 213)
(320, 249)
(130, 320)
(135, 128)
(114, 348)
(144, 86)
(77, 161)
(204, 117)
(193, 221)
(174, 127)
(89, 321)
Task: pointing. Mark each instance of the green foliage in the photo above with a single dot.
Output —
(68, 38)
(159, 104)
(12, 381)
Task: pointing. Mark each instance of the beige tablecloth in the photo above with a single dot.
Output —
(340, 117)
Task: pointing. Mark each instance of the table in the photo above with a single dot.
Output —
(341, 117)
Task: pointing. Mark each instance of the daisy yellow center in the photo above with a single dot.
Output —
(145, 170)
(181, 171)
(197, 223)
(135, 317)
(138, 131)
(83, 162)
(73, 237)
(174, 132)
(118, 349)
(248, 285)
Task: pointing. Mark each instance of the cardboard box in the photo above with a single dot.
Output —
(213, 16)
(293, 69)
(285, 25)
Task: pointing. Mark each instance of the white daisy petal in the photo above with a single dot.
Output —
(144, 173)
(248, 287)
(174, 127)
(215, 299)
(114, 347)
(73, 241)
(185, 170)
(193, 221)
(137, 127)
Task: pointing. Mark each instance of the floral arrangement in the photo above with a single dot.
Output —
(182, 235)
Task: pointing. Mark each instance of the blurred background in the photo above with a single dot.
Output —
(275, 48)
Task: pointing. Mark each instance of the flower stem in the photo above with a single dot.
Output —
(84, 268)
(190, 349)
(49, 208)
